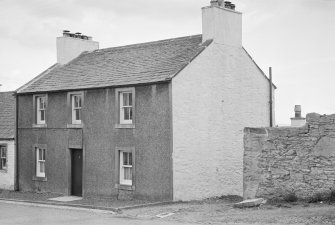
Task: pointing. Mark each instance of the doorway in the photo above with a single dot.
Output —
(76, 172)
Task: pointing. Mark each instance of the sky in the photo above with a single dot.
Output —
(294, 37)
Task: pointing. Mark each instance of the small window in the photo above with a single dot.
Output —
(76, 100)
(126, 168)
(40, 162)
(40, 109)
(126, 107)
(3, 157)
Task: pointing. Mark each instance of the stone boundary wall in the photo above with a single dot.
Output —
(283, 160)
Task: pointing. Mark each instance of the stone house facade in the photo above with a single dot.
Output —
(7, 145)
(161, 120)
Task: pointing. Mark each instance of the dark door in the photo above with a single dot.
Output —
(77, 172)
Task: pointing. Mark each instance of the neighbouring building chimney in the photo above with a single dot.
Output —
(297, 120)
(222, 23)
(70, 45)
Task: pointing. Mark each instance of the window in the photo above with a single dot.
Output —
(76, 100)
(125, 103)
(40, 162)
(126, 108)
(3, 157)
(40, 102)
(40, 110)
(126, 168)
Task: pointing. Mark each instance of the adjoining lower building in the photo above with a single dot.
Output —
(7, 145)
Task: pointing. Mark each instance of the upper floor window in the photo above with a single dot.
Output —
(125, 103)
(126, 108)
(76, 100)
(40, 109)
(3, 157)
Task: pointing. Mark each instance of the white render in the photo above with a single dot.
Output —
(7, 176)
(222, 25)
(218, 94)
(298, 122)
(69, 48)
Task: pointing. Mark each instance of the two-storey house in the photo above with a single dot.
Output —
(161, 120)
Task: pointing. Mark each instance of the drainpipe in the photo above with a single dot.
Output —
(16, 182)
(270, 74)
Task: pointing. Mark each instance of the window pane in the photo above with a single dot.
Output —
(130, 113)
(125, 99)
(42, 169)
(127, 173)
(77, 114)
(130, 99)
(3, 164)
(130, 159)
(40, 154)
(79, 101)
(75, 98)
(125, 158)
(126, 114)
(42, 115)
(43, 154)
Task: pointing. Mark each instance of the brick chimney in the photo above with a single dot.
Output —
(297, 120)
(222, 23)
(70, 45)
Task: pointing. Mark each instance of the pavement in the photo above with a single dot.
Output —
(33, 214)
(108, 204)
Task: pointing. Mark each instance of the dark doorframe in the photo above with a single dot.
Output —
(76, 172)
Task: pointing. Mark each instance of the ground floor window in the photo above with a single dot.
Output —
(126, 168)
(40, 162)
(3, 157)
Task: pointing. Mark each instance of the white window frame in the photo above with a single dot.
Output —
(74, 108)
(126, 107)
(40, 109)
(39, 161)
(124, 181)
(3, 157)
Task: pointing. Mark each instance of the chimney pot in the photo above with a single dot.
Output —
(232, 6)
(214, 3)
(221, 2)
(297, 110)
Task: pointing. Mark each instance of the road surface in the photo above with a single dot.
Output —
(29, 214)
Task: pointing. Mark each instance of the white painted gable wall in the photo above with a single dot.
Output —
(213, 99)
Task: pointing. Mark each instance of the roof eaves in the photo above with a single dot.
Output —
(203, 46)
(258, 67)
(21, 89)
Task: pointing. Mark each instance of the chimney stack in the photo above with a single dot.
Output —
(71, 45)
(297, 120)
(222, 23)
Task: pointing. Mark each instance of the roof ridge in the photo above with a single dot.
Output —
(143, 44)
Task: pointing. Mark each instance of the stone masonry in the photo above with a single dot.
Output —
(283, 160)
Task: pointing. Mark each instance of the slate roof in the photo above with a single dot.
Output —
(7, 115)
(128, 65)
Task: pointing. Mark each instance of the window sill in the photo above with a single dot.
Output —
(125, 187)
(75, 125)
(126, 126)
(3, 170)
(40, 126)
(35, 178)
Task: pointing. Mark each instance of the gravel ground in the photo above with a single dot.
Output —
(222, 212)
